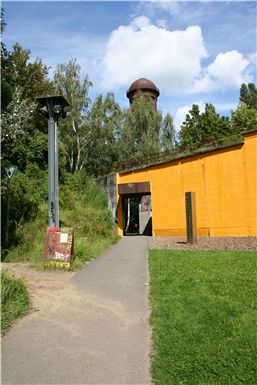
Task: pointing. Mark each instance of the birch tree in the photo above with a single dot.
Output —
(74, 129)
(104, 123)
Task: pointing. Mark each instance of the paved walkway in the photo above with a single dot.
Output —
(100, 337)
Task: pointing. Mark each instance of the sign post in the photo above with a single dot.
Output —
(59, 247)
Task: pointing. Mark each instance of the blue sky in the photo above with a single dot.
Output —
(195, 52)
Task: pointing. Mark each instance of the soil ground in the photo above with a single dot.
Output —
(46, 288)
(205, 243)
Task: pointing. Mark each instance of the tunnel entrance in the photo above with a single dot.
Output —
(137, 215)
(136, 208)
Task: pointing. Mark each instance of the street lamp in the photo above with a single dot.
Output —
(53, 107)
(10, 171)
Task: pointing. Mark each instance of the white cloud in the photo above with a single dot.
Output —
(140, 22)
(225, 72)
(172, 59)
(252, 57)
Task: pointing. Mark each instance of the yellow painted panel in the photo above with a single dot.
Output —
(224, 182)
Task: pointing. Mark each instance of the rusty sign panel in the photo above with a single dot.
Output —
(59, 247)
(134, 188)
(191, 217)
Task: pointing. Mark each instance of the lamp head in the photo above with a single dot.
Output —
(52, 106)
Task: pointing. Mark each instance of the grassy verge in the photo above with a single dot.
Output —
(204, 315)
(83, 207)
(14, 300)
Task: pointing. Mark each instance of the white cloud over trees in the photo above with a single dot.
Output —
(176, 60)
(227, 71)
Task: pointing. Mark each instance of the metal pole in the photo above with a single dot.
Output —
(53, 108)
(7, 212)
(56, 176)
(51, 173)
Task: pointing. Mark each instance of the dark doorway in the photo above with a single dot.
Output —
(137, 215)
(131, 215)
(136, 208)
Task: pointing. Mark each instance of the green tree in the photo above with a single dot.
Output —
(2, 23)
(248, 95)
(74, 129)
(140, 131)
(103, 120)
(29, 77)
(190, 133)
(244, 118)
(24, 129)
(6, 90)
(204, 129)
(167, 136)
(16, 117)
(24, 137)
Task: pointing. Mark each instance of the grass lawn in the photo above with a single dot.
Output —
(204, 317)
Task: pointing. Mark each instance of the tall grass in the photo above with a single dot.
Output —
(82, 207)
(14, 300)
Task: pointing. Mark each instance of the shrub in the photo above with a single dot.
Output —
(82, 207)
(27, 191)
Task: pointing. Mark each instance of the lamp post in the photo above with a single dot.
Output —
(53, 107)
(10, 171)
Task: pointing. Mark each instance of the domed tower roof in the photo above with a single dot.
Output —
(143, 85)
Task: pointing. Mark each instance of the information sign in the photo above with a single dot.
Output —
(59, 247)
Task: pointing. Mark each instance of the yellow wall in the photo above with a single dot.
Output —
(224, 182)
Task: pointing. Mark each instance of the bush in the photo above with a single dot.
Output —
(85, 205)
(27, 191)
(84, 208)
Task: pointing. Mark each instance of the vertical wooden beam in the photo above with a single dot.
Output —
(191, 217)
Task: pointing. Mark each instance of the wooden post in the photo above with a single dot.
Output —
(191, 217)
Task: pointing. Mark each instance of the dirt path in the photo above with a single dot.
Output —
(47, 288)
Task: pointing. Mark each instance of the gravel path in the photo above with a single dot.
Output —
(205, 243)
